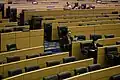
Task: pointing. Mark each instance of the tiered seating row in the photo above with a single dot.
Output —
(27, 39)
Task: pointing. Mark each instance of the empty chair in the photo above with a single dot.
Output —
(69, 59)
(11, 47)
(44, 54)
(109, 36)
(14, 72)
(52, 77)
(118, 43)
(95, 37)
(80, 37)
(115, 77)
(52, 63)
(31, 68)
(64, 75)
(99, 45)
(32, 56)
(115, 12)
(94, 67)
(48, 31)
(80, 70)
(112, 55)
(12, 58)
(62, 31)
(89, 50)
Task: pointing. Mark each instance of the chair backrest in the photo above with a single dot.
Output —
(31, 68)
(64, 75)
(52, 63)
(62, 31)
(109, 36)
(94, 67)
(14, 72)
(81, 37)
(32, 56)
(52, 77)
(44, 54)
(11, 47)
(115, 77)
(69, 59)
(118, 43)
(86, 45)
(12, 58)
(95, 37)
(80, 70)
(111, 50)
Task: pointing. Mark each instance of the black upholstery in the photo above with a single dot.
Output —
(95, 37)
(2, 9)
(48, 31)
(32, 56)
(12, 58)
(64, 75)
(31, 68)
(89, 50)
(52, 77)
(36, 22)
(62, 31)
(115, 12)
(115, 77)
(99, 45)
(13, 14)
(52, 63)
(14, 72)
(94, 67)
(44, 54)
(8, 12)
(109, 36)
(118, 43)
(80, 37)
(11, 47)
(80, 70)
(112, 55)
(69, 59)
(21, 20)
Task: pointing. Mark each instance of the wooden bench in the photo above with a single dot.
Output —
(101, 54)
(98, 22)
(29, 14)
(27, 39)
(22, 53)
(40, 61)
(102, 74)
(76, 51)
(39, 74)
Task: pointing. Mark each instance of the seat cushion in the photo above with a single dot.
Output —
(109, 36)
(31, 68)
(94, 67)
(32, 56)
(12, 58)
(14, 72)
(64, 75)
(69, 59)
(52, 63)
(52, 77)
(115, 77)
(80, 70)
